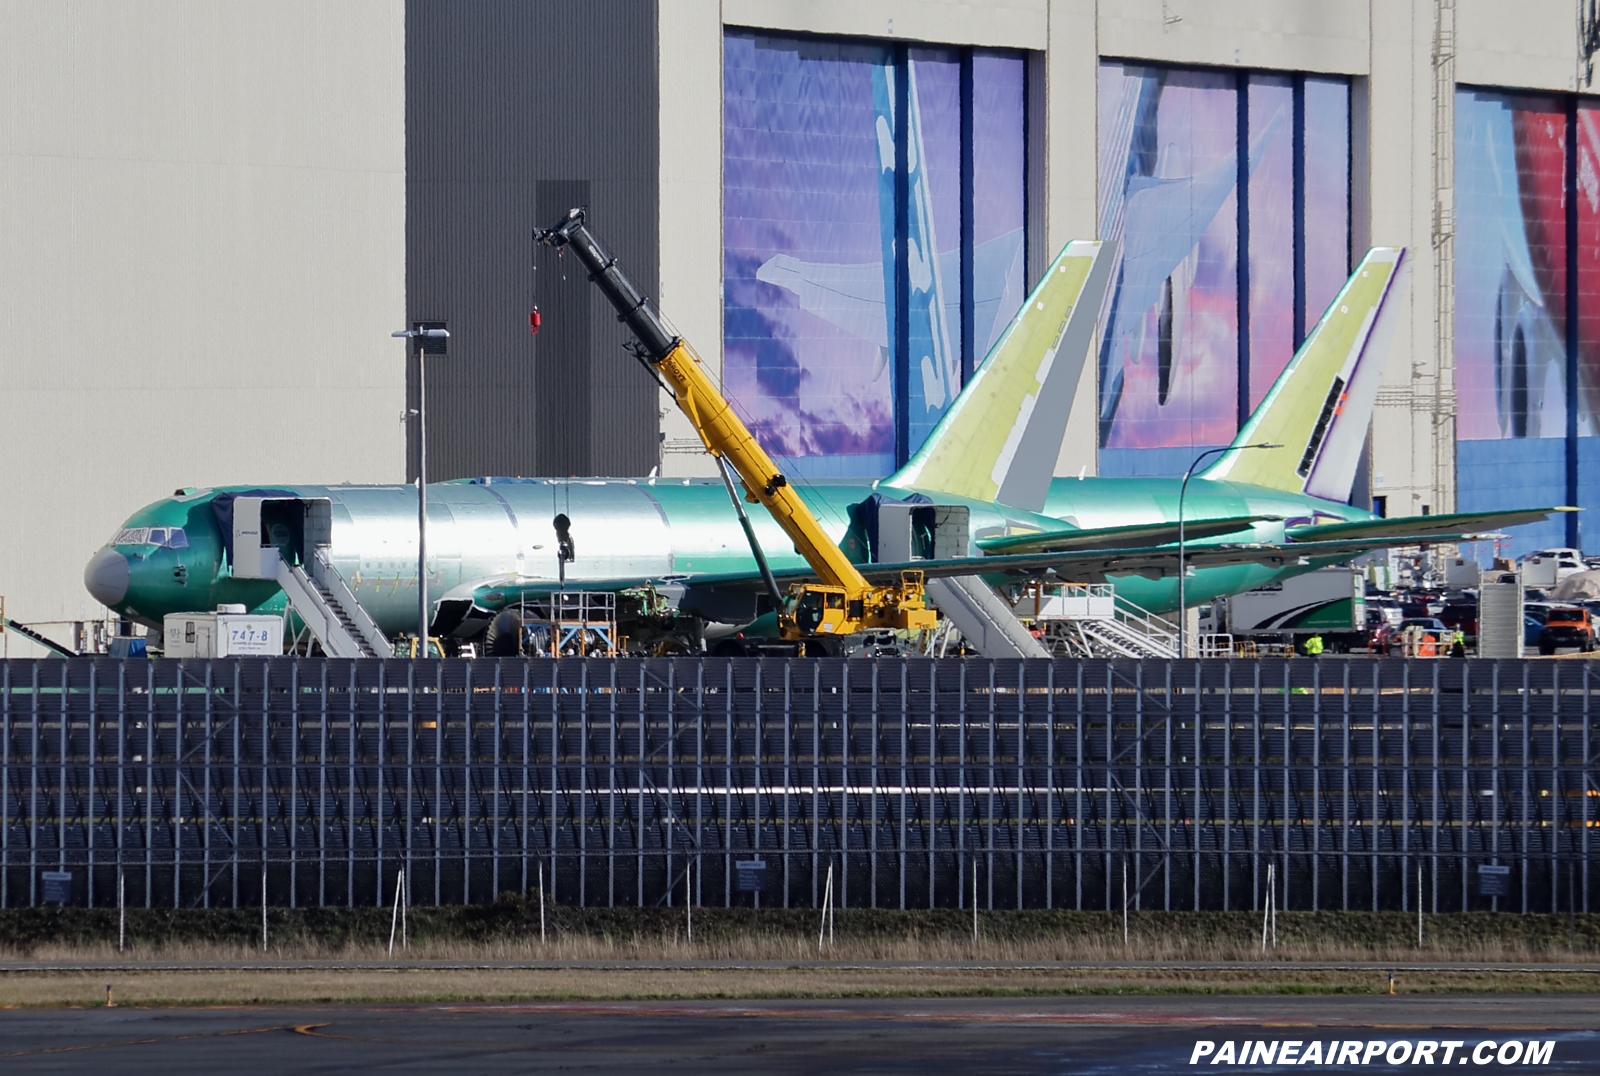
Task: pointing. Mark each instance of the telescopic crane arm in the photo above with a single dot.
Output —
(845, 602)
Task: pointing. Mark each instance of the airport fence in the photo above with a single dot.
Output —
(1364, 784)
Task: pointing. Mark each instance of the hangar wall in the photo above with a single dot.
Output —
(513, 111)
(203, 217)
(1400, 62)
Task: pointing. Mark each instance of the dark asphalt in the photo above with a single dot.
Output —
(1073, 1036)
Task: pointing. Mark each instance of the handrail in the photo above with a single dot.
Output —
(1150, 623)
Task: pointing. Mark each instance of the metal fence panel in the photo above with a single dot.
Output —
(918, 783)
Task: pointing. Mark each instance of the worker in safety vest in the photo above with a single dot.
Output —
(1314, 646)
(1458, 644)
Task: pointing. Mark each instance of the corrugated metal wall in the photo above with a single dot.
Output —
(510, 106)
(919, 782)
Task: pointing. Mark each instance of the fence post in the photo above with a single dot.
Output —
(394, 916)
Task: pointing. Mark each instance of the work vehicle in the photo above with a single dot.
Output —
(1329, 603)
(1547, 567)
(1566, 627)
(843, 603)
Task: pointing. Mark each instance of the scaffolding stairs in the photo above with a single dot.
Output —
(323, 600)
(1092, 620)
(1114, 638)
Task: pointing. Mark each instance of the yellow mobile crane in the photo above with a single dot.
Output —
(844, 602)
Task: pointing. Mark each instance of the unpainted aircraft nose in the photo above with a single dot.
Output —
(107, 577)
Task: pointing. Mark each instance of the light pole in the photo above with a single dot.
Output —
(1183, 567)
(422, 480)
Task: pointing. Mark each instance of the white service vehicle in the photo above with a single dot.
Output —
(1329, 602)
(228, 632)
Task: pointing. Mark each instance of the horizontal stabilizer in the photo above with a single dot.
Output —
(1460, 524)
(1116, 537)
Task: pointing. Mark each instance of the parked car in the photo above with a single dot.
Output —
(1531, 627)
(1462, 617)
(1566, 626)
(1387, 608)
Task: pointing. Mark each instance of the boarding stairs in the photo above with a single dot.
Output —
(985, 620)
(1093, 620)
(330, 610)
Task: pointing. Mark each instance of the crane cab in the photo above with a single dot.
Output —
(818, 609)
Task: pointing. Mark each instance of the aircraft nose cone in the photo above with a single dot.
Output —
(107, 577)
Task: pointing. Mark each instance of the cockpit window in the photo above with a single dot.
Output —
(165, 537)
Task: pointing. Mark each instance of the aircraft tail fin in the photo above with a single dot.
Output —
(1318, 410)
(1000, 438)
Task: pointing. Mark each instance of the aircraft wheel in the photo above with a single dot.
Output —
(503, 637)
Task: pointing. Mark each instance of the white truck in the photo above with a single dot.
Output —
(1329, 602)
(228, 632)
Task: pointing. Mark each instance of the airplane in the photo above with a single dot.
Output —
(673, 549)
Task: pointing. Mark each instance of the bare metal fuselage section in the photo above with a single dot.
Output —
(490, 532)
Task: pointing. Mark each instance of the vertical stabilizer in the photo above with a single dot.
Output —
(1000, 439)
(1319, 407)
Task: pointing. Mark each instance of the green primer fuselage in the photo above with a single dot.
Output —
(647, 529)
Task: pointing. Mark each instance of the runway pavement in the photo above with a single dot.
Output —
(1071, 1036)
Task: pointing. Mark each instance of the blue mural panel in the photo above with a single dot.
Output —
(1171, 368)
(1511, 288)
(1326, 243)
(1168, 369)
(1512, 473)
(810, 218)
(805, 348)
(999, 165)
(1586, 196)
(1272, 220)
(933, 238)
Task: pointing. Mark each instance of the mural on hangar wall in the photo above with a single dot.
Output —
(1526, 409)
(1170, 362)
(809, 158)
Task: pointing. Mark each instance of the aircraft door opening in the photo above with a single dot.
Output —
(267, 530)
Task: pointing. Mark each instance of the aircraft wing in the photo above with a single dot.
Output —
(1460, 525)
(1087, 565)
(1094, 565)
(1074, 566)
(1102, 538)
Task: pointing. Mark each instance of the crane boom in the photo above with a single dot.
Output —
(845, 602)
